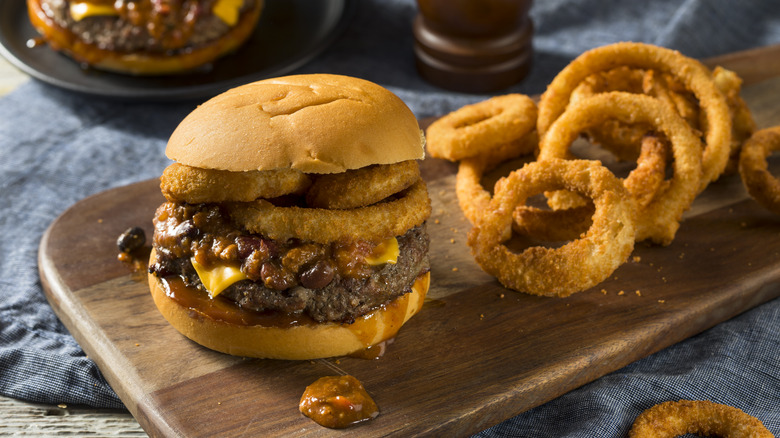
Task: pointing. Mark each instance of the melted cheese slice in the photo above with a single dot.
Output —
(218, 278)
(385, 252)
(227, 10)
(81, 10)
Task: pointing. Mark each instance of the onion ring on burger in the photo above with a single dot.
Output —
(321, 225)
(690, 72)
(700, 417)
(579, 264)
(195, 185)
(361, 187)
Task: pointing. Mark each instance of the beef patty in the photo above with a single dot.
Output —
(343, 295)
(183, 25)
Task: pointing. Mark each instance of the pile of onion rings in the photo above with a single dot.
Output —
(660, 217)
(700, 417)
(692, 74)
(681, 122)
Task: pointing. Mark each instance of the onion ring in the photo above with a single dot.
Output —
(647, 179)
(660, 219)
(620, 139)
(700, 417)
(473, 199)
(193, 185)
(478, 128)
(575, 266)
(688, 71)
(754, 169)
(373, 223)
(361, 187)
(743, 125)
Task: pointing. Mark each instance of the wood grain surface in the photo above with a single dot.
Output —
(475, 355)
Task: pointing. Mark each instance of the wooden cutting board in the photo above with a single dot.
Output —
(475, 355)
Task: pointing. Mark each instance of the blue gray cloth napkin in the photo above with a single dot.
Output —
(57, 147)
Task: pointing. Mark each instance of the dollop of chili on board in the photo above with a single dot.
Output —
(337, 402)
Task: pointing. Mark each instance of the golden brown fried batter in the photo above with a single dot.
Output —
(579, 264)
(480, 127)
(193, 185)
(700, 417)
(754, 168)
(373, 223)
(361, 187)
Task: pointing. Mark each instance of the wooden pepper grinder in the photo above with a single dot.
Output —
(473, 46)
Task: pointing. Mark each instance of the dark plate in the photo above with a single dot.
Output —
(290, 33)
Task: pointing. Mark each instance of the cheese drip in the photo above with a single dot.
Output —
(385, 252)
(217, 278)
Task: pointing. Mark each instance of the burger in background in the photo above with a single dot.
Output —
(294, 221)
(145, 37)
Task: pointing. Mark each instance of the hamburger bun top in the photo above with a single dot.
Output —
(316, 123)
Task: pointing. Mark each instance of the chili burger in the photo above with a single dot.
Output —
(294, 221)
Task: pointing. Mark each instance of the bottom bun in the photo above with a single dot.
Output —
(298, 341)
